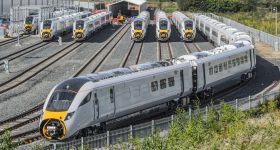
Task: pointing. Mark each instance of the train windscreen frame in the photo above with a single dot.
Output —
(138, 25)
(61, 101)
(188, 24)
(163, 24)
(28, 20)
(80, 24)
(47, 24)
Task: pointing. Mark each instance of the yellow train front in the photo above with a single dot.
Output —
(30, 24)
(47, 32)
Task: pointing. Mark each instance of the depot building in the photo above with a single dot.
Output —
(127, 7)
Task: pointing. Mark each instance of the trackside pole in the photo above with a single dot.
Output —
(6, 66)
(60, 40)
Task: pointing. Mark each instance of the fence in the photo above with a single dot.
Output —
(258, 35)
(162, 125)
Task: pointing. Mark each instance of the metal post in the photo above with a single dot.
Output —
(79, 6)
(249, 101)
(18, 42)
(108, 138)
(88, 5)
(60, 40)
(172, 119)
(131, 131)
(2, 7)
(82, 143)
(54, 146)
(12, 3)
(42, 2)
(153, 127)
(6, 66)
(262, 98)
(236, 104)
(276, 21)
(28, 2)
(20, 2)
(206, 112)
(190, 112)
(36, 2)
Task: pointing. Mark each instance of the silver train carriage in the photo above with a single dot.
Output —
(219, 33)
(93, 101)
(139, 26)
(83, 28)
(163, 27)
(185, 26)
(31, 23)
(54, 27)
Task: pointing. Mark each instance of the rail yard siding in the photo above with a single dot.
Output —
(258, 35)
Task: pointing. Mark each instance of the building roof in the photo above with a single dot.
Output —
(136, 2)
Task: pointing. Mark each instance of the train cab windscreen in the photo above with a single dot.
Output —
(47, 24)
(80, 24)
(138, 25)
(28, 20)
(163, 24)
(188, 25)
(61, 101)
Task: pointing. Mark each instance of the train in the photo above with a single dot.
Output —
(91, 102)
(140, 25)
(31, 22)
(185, 26)
(163, 26)
(54, 27)
(83, 28)
(219, 33)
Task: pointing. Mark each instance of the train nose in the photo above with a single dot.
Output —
(163, 35)
(46, 35)
(138, 35)
(79, 35)
(53, 129)
(188, 35)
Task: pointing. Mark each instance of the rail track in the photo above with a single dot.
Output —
(2, 43)
(34, 113)
(22, 52)
(163, 49)
(35, 69)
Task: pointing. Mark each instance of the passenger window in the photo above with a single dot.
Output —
(211, 71)
(86, 99)
(229, 64)
(242, 60)
(215, 69)
(163, 84)
(233, 63)
(111, 95)
(220, 67)
(171, 81)
(154, 86)
(225, 65)
(238, 61)
(245, 59)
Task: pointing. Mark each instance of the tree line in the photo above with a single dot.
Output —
(225, 5)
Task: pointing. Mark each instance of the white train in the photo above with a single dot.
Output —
(139, 26)
(31, 23)
(163, 27)
(219, 33)
(185, 26)
(86, 103)
(83, 28)
(51, 28)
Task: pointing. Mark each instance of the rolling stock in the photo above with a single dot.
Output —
(163, 27)
(83, 28)
(139, 26)
(185, 26)
(54, 27)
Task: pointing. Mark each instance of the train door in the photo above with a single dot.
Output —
(95, 106)
(112, 98)
(84, 113)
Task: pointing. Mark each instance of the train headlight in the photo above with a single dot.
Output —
(69, 116)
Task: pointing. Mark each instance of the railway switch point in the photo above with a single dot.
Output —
(6, 66)
(60, 40)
